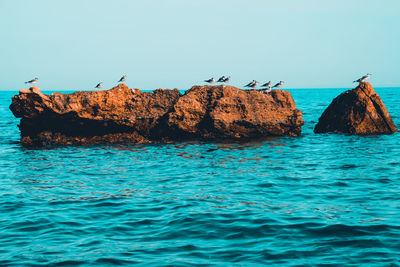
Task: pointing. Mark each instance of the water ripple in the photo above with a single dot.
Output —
(314, 200)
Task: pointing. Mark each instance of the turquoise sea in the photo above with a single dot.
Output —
(314, 200)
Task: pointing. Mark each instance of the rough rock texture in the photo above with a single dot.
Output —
(123, 115)
(229, 112)
(357, 111)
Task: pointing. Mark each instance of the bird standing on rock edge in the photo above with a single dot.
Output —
(250, 84)
(278, 85)
(268, 84)
(221, 80)
(32, 81)
(123, 79)
(210, 81)
(99, 85)
(253, 84)
(267, 89)
(363, 78)
(227, 79)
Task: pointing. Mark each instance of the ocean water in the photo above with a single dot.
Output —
(331, 200)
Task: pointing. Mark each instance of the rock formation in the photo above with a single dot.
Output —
(229, 112)
(123, 115)
(357, 111)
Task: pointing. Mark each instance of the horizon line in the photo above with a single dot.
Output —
(293, 88)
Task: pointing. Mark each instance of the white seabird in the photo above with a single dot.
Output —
(254, 85)
(123, 79)
(99, 85)
(221, 80)
(227, 79)
(210, 80)
(363, 78)
(250, 84)
(278, 85)
(267, 90)
(268, 84)
(32, 81)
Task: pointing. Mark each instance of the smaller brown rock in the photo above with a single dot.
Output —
(357, 111)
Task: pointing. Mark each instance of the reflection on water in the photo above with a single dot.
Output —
(288, 201)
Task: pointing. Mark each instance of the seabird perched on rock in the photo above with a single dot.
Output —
(32, 81)
(250, 84)
(278, 85)
(268, 84)
(221, 80)
(227, 79)
(210, 80)
(266, 90)
(123, 79)
(99, 86)
(253, 84)
(363, 78)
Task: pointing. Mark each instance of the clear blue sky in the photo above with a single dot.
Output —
(75, 44)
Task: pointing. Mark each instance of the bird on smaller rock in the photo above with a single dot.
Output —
(210, 81)
(32, 81)
(123, 79)
(278, 85)
(363, 78)
(99, 85)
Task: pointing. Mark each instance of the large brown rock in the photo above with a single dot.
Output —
(228, 112)
(118, 115)
(357, 111)
(123, 115)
